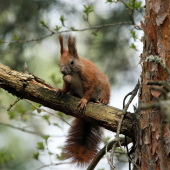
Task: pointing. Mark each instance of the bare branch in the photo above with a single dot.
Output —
(70, 30)
(48, 112)
(133, 94)
(24, 130)
(49, 165)
(12, 104)
(107, 147)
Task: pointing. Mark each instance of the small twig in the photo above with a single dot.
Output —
(47, 112)
(133, 94)
(52, 165)
(12, 104)
(26, 41)
(127, 155)
(112, 153)
(49, 152)
(130, 93)
(69, 30)
(26, 68)
(87, 19)
(102, 152)
(52, 32)
(24, 130)
(126, 5)
(21, 129)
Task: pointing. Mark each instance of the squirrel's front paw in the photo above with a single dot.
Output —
(82, 104)
(59, 92)
(103, 101)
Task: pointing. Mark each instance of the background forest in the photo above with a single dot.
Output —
(31, 138)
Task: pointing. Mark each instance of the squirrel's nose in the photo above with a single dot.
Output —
(63, 71)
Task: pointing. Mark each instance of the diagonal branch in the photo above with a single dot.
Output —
(97, 27)
(28, 86)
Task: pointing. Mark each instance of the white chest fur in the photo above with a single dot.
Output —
(76, 85)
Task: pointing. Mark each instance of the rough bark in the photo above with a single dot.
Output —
(28, 86)
(153, 137)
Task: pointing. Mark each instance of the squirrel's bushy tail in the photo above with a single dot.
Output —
(82, 142)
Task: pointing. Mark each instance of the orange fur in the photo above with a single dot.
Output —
(90, 84)
(82, 142)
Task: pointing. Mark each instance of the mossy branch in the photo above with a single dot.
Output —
(28, 86)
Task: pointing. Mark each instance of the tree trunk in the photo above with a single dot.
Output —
(154, 138)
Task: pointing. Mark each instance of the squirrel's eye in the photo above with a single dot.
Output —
(72, 62)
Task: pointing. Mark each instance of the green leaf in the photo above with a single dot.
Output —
(133, 33)
(62, 19)
(106, 139)
(133, 46)
(46, 137)
(117, 149)
(88, 9)
(60, 147)
(138, 4)
(109, 1)
(50, 153)
(1, 41)
(36, 155)
(11, 115)
(39, 110)
(37, 105)
(60, 114)
(15, 37)
(59, 157)
(21, 110)
(34, 108)
(56, 124)
(12, 156)
(57, 28)
(72, 28)
(42, 23)
(134, 4)
(46, 117)
(94, 33)
(40, 146)
(84, 17)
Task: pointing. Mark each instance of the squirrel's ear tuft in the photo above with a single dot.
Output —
(60, 37)
(72, 46)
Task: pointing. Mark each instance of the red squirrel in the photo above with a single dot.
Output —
(83, 79)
